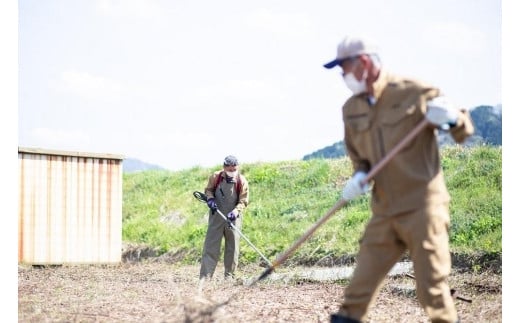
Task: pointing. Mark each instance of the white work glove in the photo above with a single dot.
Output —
(353, 188)
(441, 112)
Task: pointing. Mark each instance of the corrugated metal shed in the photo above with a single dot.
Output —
(70, 207)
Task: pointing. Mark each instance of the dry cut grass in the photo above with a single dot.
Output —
(162, 292)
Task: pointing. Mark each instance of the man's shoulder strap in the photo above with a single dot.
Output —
(219, 179)
(238, 184)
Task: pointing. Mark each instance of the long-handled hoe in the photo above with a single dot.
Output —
(341, 202)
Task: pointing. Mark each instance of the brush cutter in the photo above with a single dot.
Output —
(341, 202)
(203, 198)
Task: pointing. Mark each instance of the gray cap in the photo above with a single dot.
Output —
(351, 47)
(230, 161)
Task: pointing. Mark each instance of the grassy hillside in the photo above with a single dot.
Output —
(288, 197)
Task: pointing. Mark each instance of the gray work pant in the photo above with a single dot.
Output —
(218, 228)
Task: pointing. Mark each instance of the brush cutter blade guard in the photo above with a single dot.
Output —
(200, 196)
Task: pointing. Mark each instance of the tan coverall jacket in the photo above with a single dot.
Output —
(414, 176)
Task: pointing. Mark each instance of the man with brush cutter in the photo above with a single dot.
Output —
(410, 200)
(226, 194)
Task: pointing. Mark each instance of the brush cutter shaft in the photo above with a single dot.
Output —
(243, 236)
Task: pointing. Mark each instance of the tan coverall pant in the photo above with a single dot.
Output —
(424, 233)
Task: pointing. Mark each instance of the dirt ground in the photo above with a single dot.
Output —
(166, 292)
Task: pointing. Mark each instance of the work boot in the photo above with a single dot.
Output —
(336, 318)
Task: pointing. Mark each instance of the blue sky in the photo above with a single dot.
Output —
(184, 83)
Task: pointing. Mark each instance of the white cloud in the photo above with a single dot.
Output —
(88, 86)
(52, 138)
(180, 138)
(453, 37)
(291, 25)
(245, 95)
(129, 8)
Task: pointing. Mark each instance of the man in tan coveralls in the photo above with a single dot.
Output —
(228, 191)
(410, 200)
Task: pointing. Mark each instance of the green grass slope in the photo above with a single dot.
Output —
(288, 197)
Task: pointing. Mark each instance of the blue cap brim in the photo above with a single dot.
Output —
(332, 64)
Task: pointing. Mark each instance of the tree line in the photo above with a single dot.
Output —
(488, 131)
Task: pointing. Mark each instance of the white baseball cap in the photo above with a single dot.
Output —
(351, 47)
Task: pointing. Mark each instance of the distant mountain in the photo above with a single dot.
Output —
(488, 123)
(335, 150)
(488, 130)
(131, 165)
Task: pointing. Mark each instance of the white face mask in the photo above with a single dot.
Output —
(354, 85)
(232, 174)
